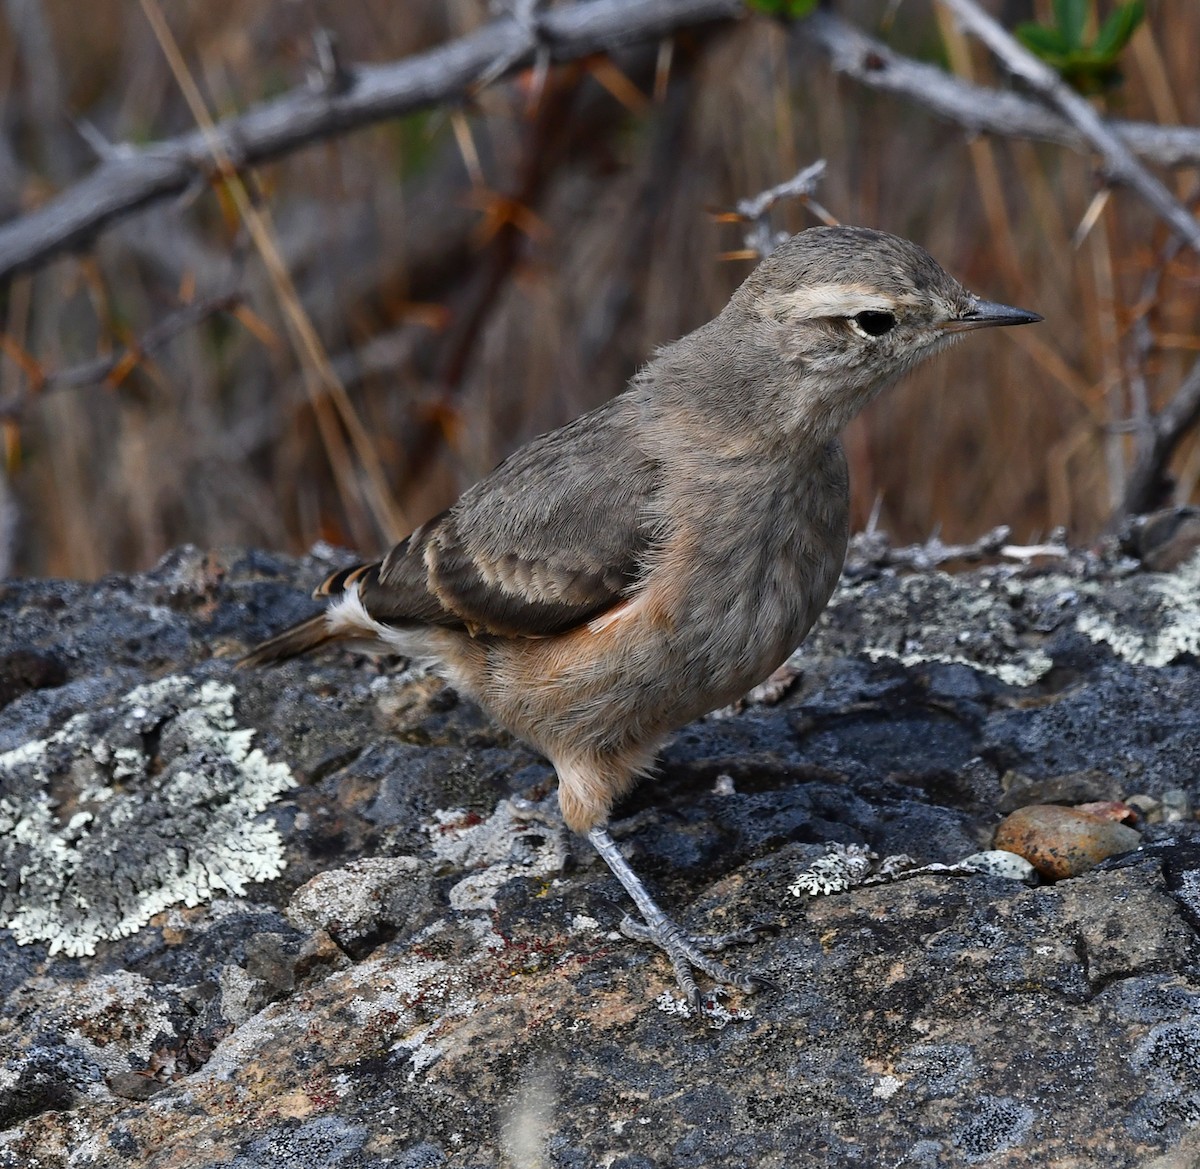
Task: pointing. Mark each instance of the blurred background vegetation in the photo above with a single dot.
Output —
(483, 272)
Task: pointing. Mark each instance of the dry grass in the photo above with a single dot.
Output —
(461, 324)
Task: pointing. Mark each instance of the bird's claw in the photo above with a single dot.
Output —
(688, 953)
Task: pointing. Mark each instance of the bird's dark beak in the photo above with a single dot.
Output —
(982, 314)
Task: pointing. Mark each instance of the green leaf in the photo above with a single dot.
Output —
(1121, 24)
(1071, 16)
(1046, 43)
(785, 9)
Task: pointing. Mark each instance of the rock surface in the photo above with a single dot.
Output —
(323, 915)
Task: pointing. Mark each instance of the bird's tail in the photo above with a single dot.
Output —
(297, 640)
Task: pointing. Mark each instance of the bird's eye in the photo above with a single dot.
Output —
(875, 323)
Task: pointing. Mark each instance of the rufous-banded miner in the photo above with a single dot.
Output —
(659, 556)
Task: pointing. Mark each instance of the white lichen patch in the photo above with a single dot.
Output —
(1153, 621)
(348, 902)
(422, 1054)
(516, 840)
(935, 618)
(397, 995)
(1025, 670)
(716, 1014)
(130, 809)
(850, 866)
(843, 867)
(995, 620)
(886, 1087)
(117, 1016)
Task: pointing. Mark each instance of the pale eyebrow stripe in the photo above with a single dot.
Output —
(827, 300)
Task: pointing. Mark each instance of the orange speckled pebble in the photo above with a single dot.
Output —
(1063, 842)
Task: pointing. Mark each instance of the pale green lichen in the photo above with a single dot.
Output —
(130, 809)
(1025, 670)
(1167, 611)
(993, 621)
(935, 618)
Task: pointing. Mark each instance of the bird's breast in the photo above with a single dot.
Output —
(725, 598)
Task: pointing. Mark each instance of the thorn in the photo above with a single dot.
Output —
(609, 76)
(466, 147)
(330, 76)
(100, 146)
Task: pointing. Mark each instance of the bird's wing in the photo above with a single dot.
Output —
(554, 536)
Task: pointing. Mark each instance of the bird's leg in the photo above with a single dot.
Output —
(686, 953)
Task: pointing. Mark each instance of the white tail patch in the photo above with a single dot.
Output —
(348, 618)
(347, 615)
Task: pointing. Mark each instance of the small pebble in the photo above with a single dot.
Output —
(1109, 810)
(134, 1085)
(997, 862)
(1146, 806)
(1063, 842)
(1176, 805)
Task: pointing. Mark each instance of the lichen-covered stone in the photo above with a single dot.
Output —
(417, 968)
(130, 809)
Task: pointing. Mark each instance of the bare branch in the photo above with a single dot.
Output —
(802, 184)
(755, 212)
(979, 109)
(130, 178)
(873, 549)
(98, 369)
(1119, 163)
(1169, 427)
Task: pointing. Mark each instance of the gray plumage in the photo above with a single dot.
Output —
(662, 554)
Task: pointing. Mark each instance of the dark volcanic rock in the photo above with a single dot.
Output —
(324, 915)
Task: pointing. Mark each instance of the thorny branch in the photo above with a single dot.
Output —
(1119, 163)
(1121, 167)
(976, 108)
(1157, 436)
(1167, 428)
(1077, 126)
(761, 238)
(873, 549)
(340, 98)
(128, 177)
(102, 368)
(349, 97)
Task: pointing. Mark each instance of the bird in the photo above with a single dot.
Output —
(659, 556)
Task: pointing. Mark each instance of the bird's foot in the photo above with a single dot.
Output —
(687, 954)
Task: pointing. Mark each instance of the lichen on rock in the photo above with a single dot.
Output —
(993, 620)
(1154, 620)
(940, 618)
(129, 809)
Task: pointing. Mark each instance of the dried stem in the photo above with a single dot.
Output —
(323, 384)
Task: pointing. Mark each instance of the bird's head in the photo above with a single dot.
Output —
(850, 309)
